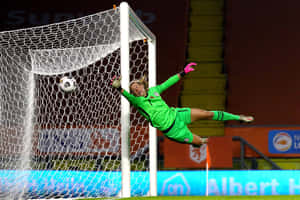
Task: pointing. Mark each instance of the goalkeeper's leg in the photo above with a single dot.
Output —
(199, 114)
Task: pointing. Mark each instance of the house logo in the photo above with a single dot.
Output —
(176, 185)
(197, 154)
(282, 141)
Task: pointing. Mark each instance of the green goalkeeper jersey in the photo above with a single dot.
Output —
(153, 107)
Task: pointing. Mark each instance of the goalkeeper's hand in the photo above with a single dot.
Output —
(187, 69)
(116, 82)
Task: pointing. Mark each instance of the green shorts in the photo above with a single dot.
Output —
(179, 131)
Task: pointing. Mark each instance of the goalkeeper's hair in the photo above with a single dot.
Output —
(141, 81)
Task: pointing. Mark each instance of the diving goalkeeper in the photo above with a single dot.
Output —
(171, 121)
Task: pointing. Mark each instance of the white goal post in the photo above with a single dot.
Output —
(88, 142)
(128, 16)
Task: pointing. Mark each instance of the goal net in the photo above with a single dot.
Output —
(57, 144)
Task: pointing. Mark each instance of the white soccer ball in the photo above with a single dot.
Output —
(67, 84)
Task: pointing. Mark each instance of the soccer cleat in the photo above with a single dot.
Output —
(246, 119)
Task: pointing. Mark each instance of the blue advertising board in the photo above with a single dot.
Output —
(169, 183)
(284, 141)
(230, 183)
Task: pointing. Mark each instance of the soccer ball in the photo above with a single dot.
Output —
(67, 84)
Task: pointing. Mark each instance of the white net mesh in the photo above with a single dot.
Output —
(59, 144)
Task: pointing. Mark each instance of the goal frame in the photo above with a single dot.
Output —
(127, 16)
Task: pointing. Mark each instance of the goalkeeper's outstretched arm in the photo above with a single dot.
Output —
(139, 87)
(174, 79)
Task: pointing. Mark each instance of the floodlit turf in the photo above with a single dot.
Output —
(281, 197)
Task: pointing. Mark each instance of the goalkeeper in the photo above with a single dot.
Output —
(171, 121)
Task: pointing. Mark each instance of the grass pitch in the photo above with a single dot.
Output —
(280, 197)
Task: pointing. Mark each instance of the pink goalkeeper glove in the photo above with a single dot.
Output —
(189, 67)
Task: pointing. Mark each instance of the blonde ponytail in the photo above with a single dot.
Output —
(144, 81)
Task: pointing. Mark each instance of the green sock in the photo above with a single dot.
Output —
(224, 116)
